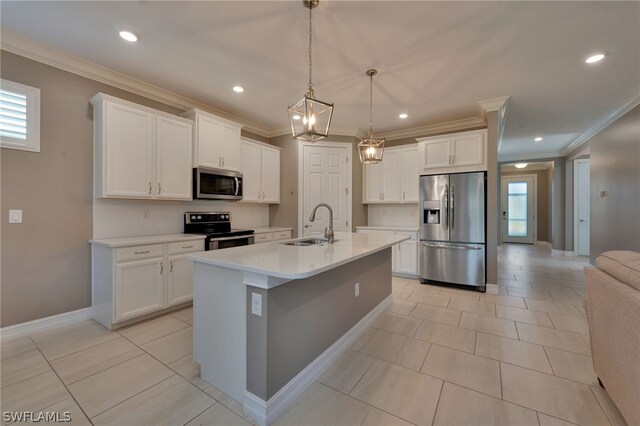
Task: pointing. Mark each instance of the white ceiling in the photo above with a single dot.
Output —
(436, 60)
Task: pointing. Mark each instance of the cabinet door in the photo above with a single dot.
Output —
(231, 147)
(209, 143)
(391, 177)
(372, 182)
(139, 287)
(435, 153)
(406, 261)
(468, 150)
(173, 159)
(270, 176)
(410, 175)
(251, 172)
(128, 167)
(180, 283)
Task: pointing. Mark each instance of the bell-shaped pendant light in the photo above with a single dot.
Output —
(371, 147)
(310, 118)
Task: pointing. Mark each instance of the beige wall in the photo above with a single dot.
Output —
(46, 262)
(543, 198)
(286, 213)
(615, 168)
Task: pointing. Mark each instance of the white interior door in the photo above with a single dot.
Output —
(581, 206)
(324, 180)
(518, 209)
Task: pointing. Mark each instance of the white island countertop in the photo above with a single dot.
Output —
(276, 259)
(146, 239)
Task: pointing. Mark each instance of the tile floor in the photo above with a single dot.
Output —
(517, 355)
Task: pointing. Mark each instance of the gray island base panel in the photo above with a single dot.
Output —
(267, 360)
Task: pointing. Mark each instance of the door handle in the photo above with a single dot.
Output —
(159, 188)
(453, 247)
(306, 226)
(161, 267)
(150, 186)
(171, 266)
(582, 220)
(453, 217)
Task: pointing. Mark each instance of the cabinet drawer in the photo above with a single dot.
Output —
(263, 238)
(283, 235)
(139, 252)
(186, 246)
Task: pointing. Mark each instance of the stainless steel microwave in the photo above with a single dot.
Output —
(216, 184)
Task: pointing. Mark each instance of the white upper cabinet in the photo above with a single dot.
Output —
(409, 174)
(216, 141)
(260, 167)
(140, 152)
(173, 158)
(458, 152)
(394, 180)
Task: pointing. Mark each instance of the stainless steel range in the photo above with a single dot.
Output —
(217, 227)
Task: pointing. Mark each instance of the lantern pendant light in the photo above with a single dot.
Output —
(371, 148)
(310, 118)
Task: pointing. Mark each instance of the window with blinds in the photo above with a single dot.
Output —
(19, 116)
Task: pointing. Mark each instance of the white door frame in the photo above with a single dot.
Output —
(535, 203)
(575, 202)
(349, 148)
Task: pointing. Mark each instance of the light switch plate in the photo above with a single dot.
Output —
(15, 216)
(256, 304)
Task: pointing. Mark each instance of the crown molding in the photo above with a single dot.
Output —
(630, 101)
(529, 157)
(64, 61)
(494, 104)
(436, 129)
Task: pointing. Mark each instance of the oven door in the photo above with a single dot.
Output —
(215, 184)
(228, 242)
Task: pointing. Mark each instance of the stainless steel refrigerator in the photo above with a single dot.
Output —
(453, 229)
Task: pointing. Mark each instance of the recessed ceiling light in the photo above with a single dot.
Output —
(521, 165)
(238, 89)
(403, 115)
(537, 139)
(595, 58)
(129, 36)
(296, 117)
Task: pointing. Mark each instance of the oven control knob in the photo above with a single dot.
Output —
(193, 217)
(226, 217)
(199, 217)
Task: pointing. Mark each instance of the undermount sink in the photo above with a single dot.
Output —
(307, 242)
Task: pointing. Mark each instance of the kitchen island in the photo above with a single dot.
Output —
(270, 318)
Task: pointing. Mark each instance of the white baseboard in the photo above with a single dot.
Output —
(562, 252)
(42, 324)
(265, 412)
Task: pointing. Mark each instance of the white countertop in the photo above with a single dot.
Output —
(391, 228)
(146, 239)
(290, 262)
(271, 229)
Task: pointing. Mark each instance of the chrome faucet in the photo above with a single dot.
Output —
(328, 232)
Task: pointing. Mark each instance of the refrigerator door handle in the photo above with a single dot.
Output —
(450, 246)
(446, 206)
(453, 217)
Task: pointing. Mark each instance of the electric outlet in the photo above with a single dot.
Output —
(256, 304)
(357, 289)
(15, 216)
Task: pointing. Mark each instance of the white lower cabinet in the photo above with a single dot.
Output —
(134, 281)
(265, 237)
(139, 287)
(404, 256)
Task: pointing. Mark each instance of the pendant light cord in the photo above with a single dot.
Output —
(310, 84)
(371, 103)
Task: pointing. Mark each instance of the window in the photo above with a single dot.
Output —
(19, 116)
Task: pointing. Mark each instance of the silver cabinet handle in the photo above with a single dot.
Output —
(582, 220)
(161, 267)
(142, 252)
(185, 247)
(150, 186)
(306, 226)
(222, 161)
(452, 247)
(159, 188)
(403, 195)
(171, 266)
